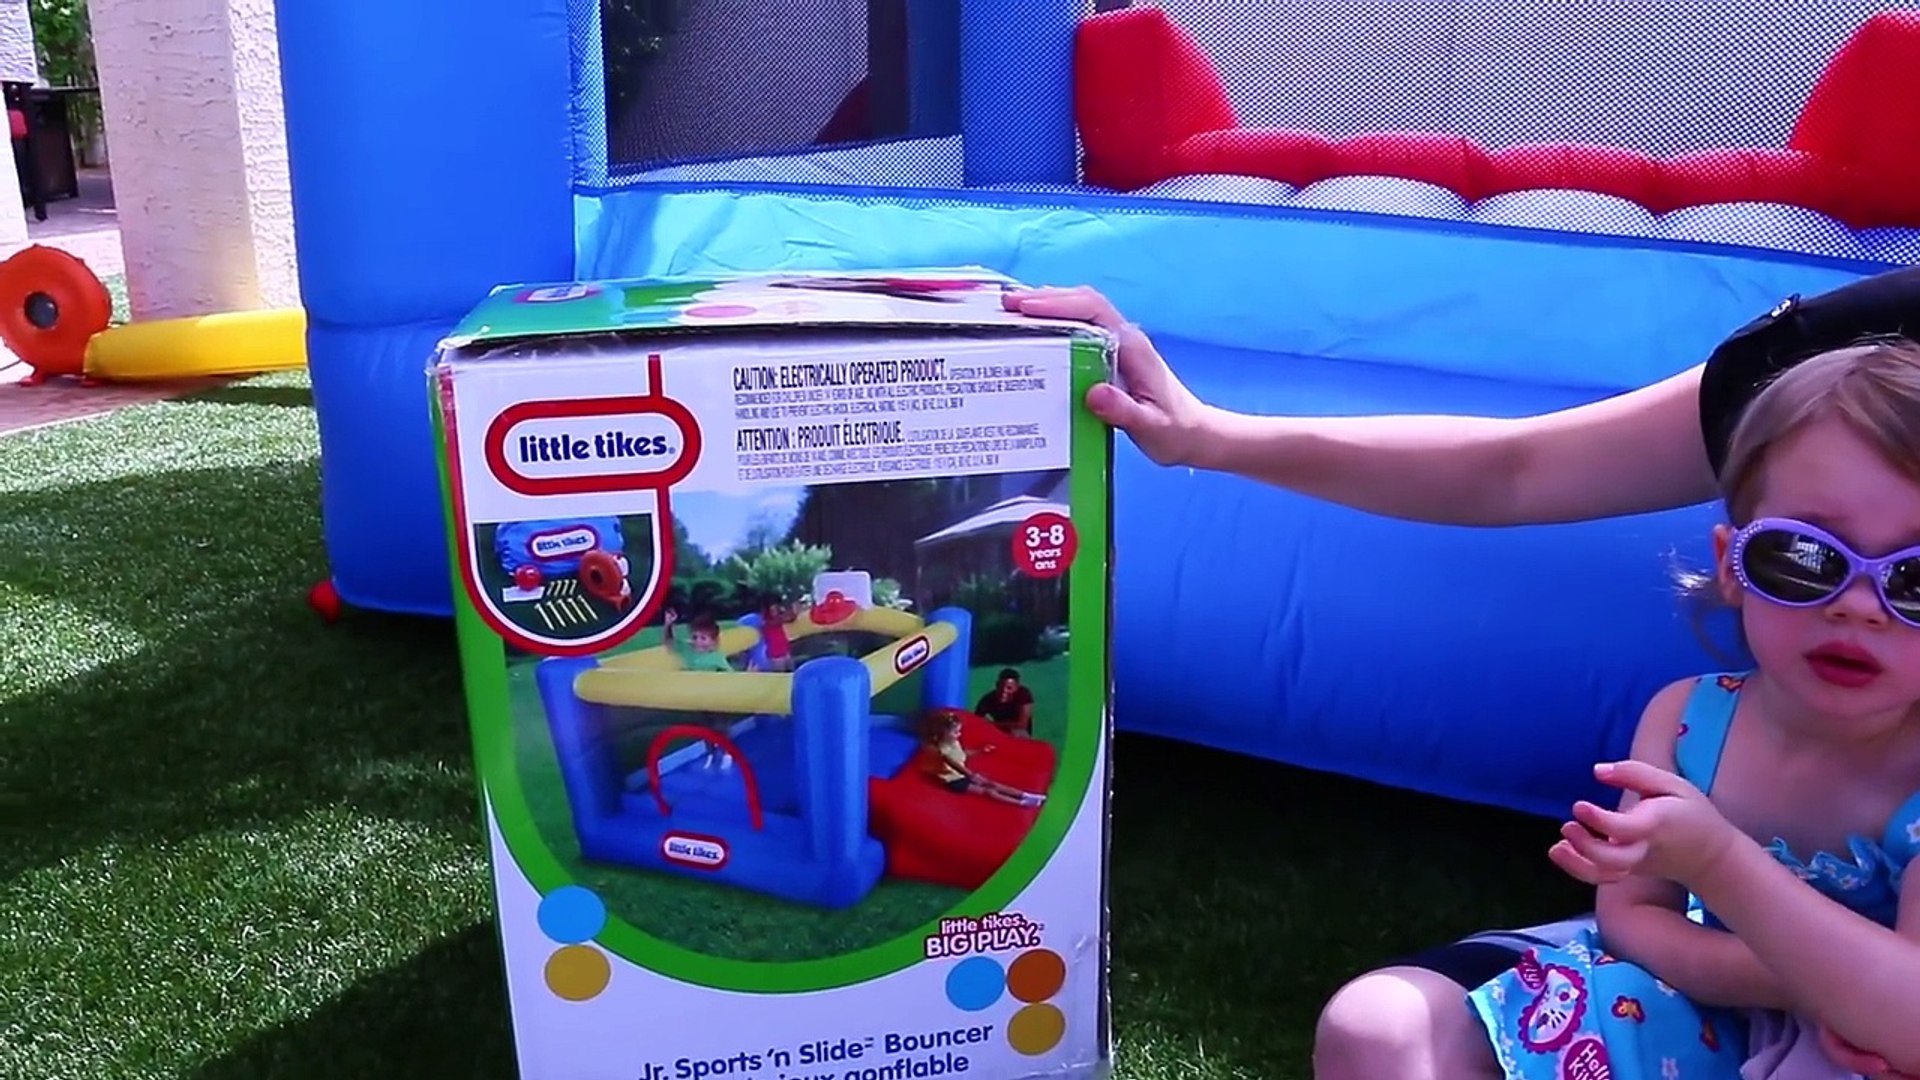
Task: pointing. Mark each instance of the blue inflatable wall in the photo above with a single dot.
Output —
(422, 177)
(1493, 665)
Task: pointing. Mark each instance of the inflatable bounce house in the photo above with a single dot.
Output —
(816, 795)
(1497, 207)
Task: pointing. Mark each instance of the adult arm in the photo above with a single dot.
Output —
(1639, 451)
(1643, 919)
(1850, 974)
(1631, 453)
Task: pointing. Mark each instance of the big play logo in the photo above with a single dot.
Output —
(574, 596)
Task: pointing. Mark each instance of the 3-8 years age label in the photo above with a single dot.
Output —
(1044, 545)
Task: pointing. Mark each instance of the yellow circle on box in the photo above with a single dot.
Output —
(578, 972)
(1036, 1029)
(1036, 975)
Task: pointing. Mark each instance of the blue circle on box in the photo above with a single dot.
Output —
(572, 914)
(975, 983)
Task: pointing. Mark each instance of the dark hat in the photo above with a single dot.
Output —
(1883, 305)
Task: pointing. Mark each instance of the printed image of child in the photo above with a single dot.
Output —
(701, 652)
(952, 770)
(775, 614)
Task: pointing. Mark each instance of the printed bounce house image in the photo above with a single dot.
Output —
(819, 794)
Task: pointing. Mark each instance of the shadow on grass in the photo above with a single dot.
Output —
(184, 687)
(1243, 894)
(254, 393)
(442, 1013)
(205, 694)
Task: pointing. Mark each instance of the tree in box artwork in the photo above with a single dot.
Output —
(878, 527)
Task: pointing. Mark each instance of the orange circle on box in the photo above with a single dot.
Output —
(1036, 1029)
(1044, 545)
(1036, 975)
(578, 972)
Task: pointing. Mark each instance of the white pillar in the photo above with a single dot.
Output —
(17, 64)
(190, 91)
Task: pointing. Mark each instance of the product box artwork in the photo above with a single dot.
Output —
(783, 615)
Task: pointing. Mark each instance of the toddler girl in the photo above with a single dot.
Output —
(1751, 920)
(951, 768)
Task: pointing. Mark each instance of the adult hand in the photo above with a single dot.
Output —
(1671, 831)
(1149, 403)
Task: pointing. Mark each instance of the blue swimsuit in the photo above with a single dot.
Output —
(1577, 1013)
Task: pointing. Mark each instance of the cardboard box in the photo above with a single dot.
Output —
(722, 849)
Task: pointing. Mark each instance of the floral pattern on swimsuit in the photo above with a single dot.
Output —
(1579, 1013)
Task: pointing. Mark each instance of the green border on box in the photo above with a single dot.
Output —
(484, 676)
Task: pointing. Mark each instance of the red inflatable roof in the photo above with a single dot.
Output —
(1151, 106)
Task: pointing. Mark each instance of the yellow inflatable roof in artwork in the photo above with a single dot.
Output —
(656, 678)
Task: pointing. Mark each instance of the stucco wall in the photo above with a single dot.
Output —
(17, 64)
(263, 143)
(17, 61)
(191, 94)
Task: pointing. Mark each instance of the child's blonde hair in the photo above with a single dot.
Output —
(1872, 386)
(934, 723)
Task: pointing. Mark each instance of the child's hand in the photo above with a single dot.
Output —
(669, 617)
(1671, 832)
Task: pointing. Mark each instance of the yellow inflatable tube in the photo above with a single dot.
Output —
(229, 343)
(651, 678)
(890, 622)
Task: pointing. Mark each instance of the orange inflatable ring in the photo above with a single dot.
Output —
(51, 305)
(601, 576)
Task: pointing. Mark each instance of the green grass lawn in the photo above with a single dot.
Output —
(240, 843)
(117, 291)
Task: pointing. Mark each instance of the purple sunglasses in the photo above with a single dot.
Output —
(1800, 565)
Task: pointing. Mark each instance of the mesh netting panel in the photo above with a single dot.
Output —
(1724, 121)
(1660, 76)
(702, 90)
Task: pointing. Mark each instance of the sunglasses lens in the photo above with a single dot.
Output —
(1903, 589)
(1792, 567)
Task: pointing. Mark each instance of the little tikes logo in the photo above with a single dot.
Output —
(633, 439)
(556, 545)
(687, 849)
(911, 653)
(585, 446)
